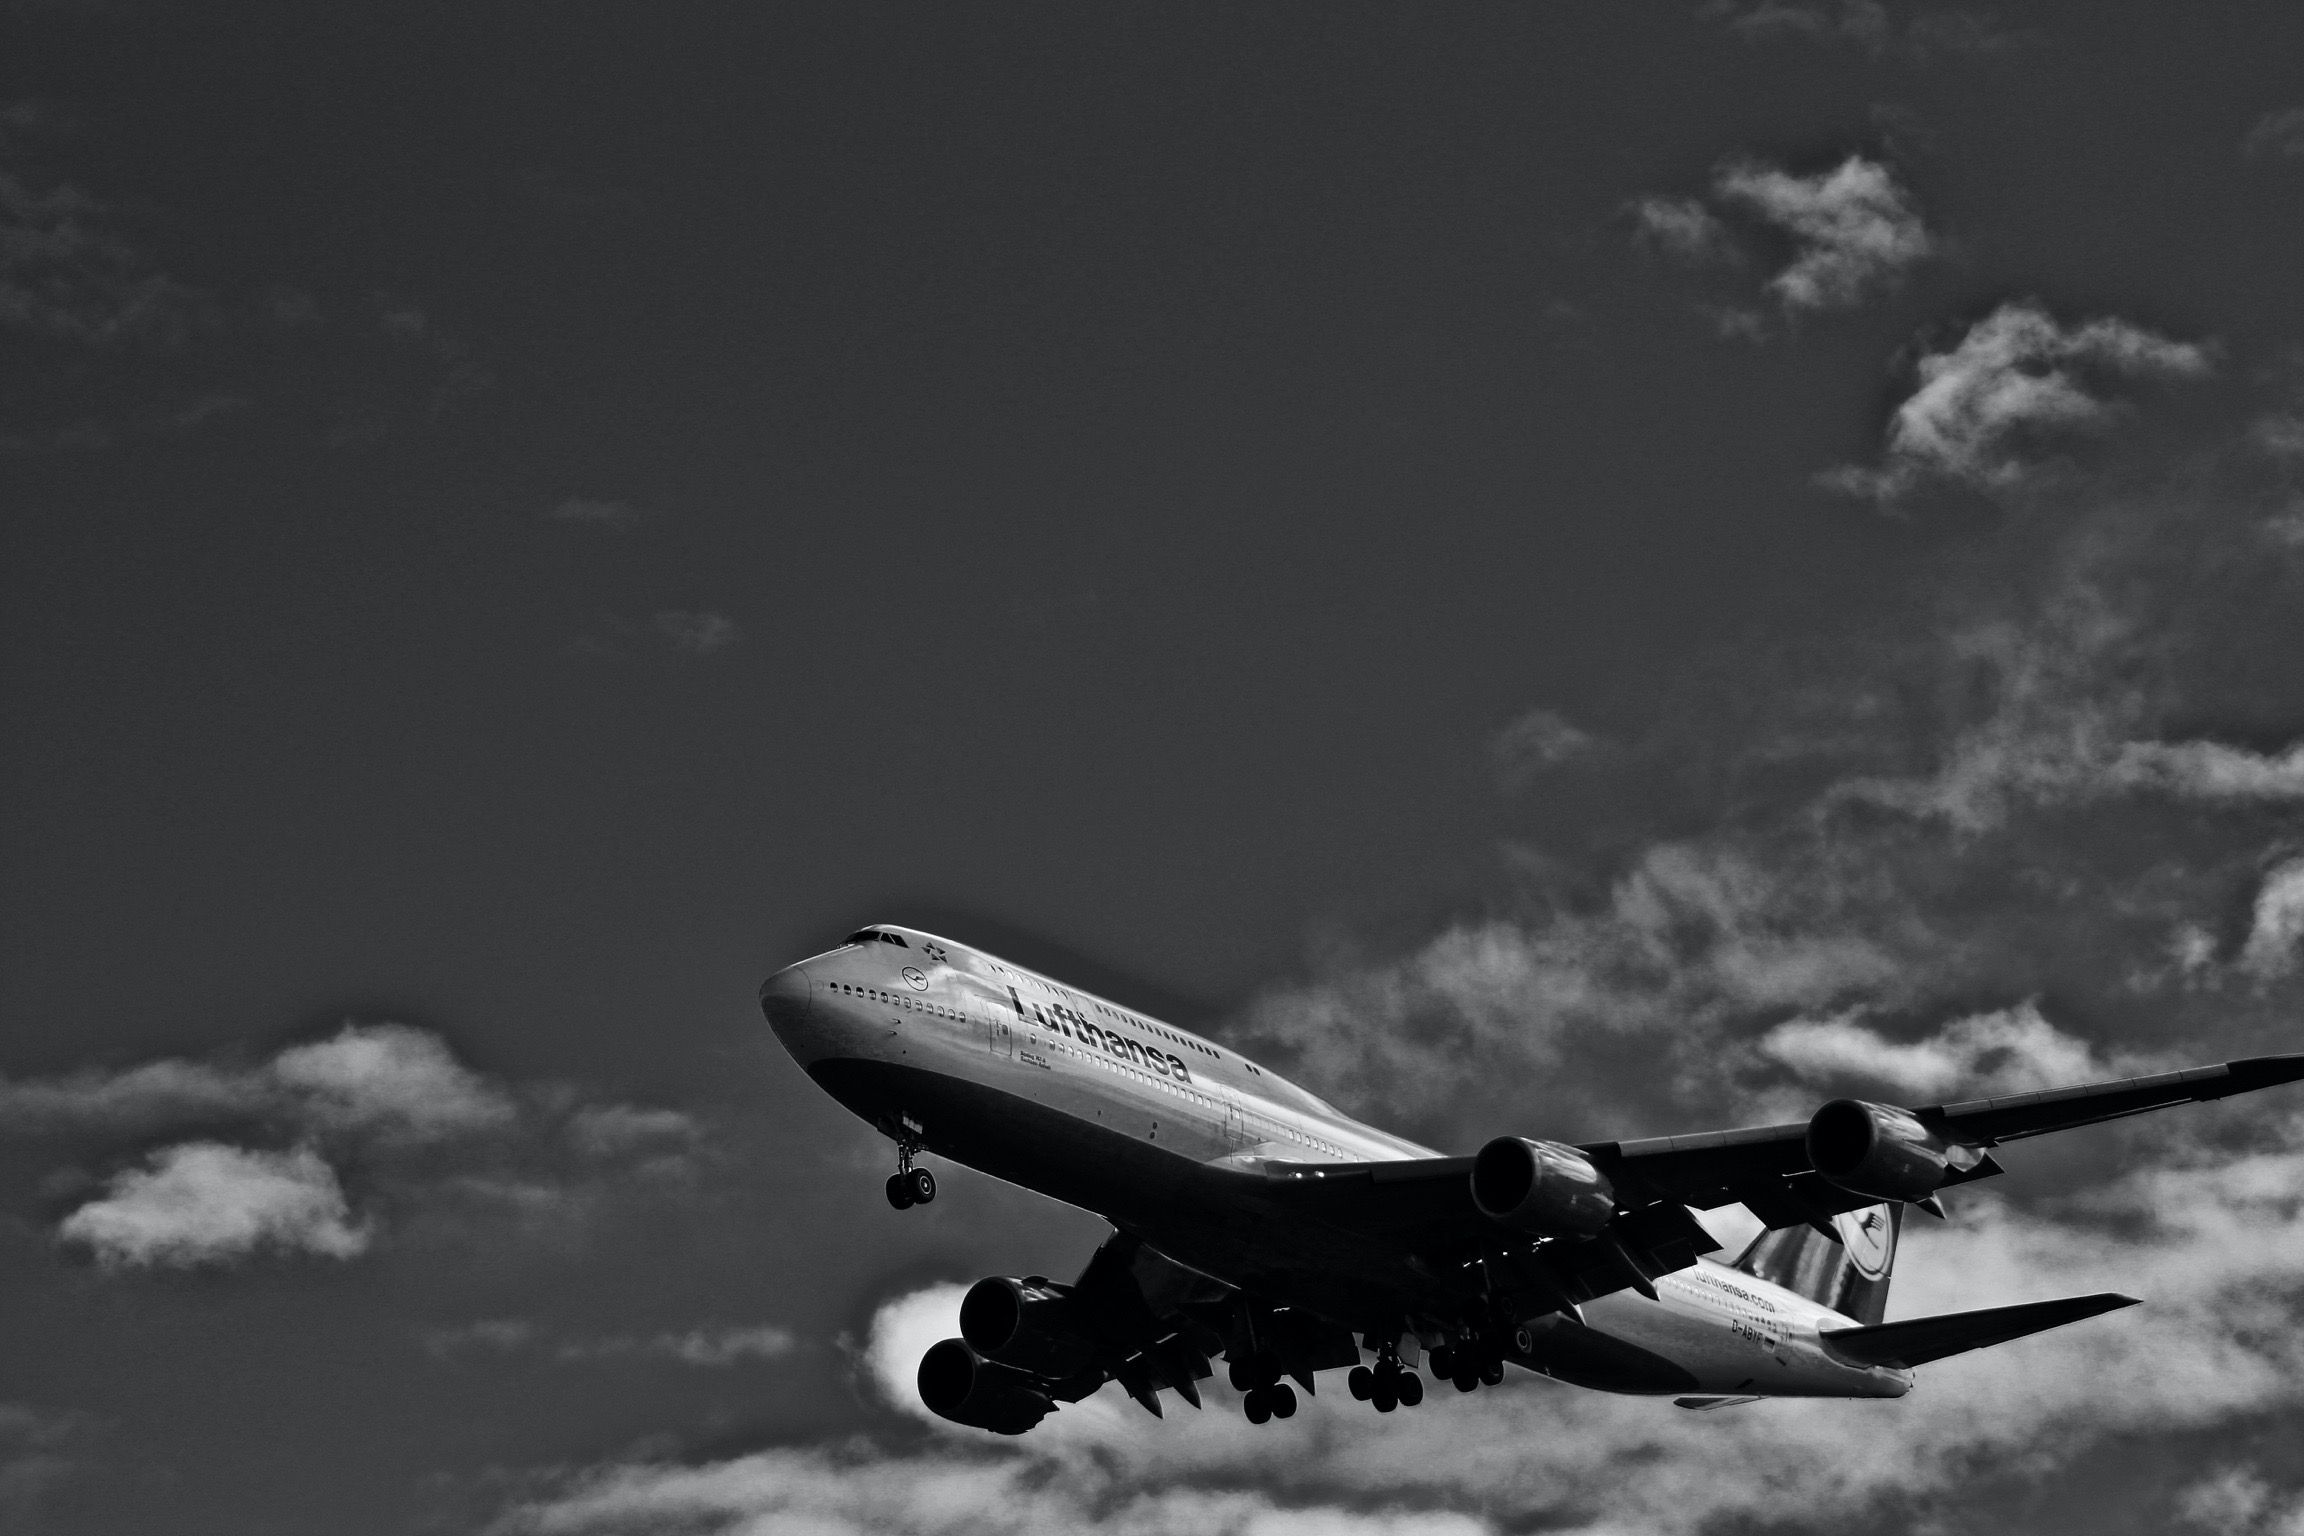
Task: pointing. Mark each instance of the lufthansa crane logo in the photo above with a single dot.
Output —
(1870, 1240)
(914, 979)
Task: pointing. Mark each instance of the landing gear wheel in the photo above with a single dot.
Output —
(921, 1184)
(1361, 1383)
(1466, 1382)
(1258, 1406)
(1283, 1400)
(1410, 1388)
(1383, 1399)
(1492, 1373)
(1443, 1363)
(900, 1191)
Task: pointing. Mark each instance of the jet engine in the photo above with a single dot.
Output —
(958, 1384)
(1540, 1186)
(1029, 1324)
(1881, 1151)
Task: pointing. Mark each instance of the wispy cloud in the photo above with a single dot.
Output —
(2276, 927)
(205, 1203)
(1684, 229)
(698, 631)
(712, 1346)
(2276, 136)
(1872, 27)
(1537, 742)
(2014, 380)
(609, 516)
(1856, 229)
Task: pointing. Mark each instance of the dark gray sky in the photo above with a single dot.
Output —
(1568, 570)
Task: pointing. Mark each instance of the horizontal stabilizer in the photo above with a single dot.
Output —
(1923, 1339)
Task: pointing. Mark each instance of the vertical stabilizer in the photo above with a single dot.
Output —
(1848, 1273)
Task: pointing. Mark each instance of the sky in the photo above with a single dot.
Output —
(1573, 571)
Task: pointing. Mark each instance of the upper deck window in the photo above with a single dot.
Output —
(875, 936)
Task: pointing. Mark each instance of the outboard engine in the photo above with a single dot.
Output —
(958, 1384)
(1029, 1324)
(1541, 1187)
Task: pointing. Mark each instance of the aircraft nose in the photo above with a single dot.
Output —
(784, 998)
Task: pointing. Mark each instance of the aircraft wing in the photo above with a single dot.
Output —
(1766, 1167)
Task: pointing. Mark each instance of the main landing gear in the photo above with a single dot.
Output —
(909, 1186)
(1467, 1365)
(1389, 1385)
(1264, 1396)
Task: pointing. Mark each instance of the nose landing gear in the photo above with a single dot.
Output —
(909, 1186)
(1388, 1385)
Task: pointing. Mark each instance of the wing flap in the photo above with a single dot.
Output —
(1922, 1339)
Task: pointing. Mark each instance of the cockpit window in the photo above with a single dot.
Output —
(875, 936)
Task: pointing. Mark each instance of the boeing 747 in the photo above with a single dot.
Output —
(1256, 1223)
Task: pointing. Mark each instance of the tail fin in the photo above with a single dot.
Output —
(1847, 1272)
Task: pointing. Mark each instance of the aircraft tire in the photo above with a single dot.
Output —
(1361, 1383)
(1466, 1381)
(900, 1191)
(1410, 1388)
(1257, 1406)
(1383, 1400)
(1283, 1400)
(1492, 1373)
(1443, 1363)
(1242, 1374)
(923, 1185)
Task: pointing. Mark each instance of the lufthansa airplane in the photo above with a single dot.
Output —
(1256, 1222)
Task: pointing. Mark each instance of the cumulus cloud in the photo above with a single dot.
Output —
(393, 1079)
(2014, 378)
(206, 1203)
(2277, 135)
(1856, 229)
(700, 632)
(427, 1133)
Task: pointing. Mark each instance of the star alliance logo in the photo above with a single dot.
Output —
(936, 952)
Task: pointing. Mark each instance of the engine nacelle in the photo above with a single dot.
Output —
(958, 1384)
(1028, 1324)
(1880, 1150)
(1540, 1186)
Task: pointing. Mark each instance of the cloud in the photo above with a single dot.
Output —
(713, 1346)
(700, 632)
(392, 1079)
(2276, 927)
(2009, 1050)
(2014, 378)
(206, 1203)
(610, 516)
(1537, 742)
(1857, 230)
(39, 1449)
(2276, 136)
(440, 1147)
(65, 276)
(1682, 228)
(1871, 27)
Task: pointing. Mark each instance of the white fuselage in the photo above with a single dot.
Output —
(1141, 1092)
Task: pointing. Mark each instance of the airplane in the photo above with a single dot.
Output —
(1254, 1221)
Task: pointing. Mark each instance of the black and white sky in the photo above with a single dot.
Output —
(1571, 570)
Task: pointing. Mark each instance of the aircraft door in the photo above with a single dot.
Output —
(999, 1031)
